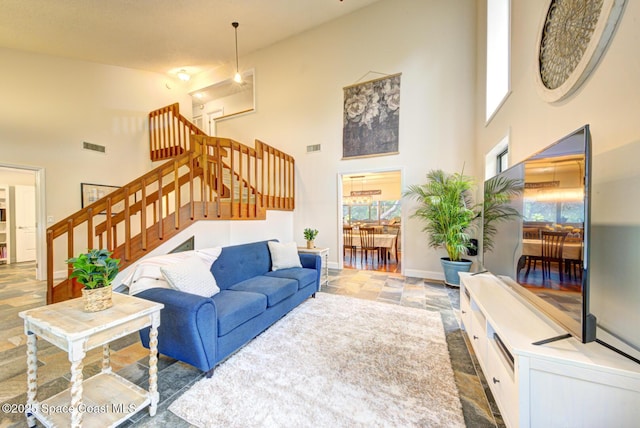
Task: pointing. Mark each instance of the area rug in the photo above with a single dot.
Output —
(335, 361)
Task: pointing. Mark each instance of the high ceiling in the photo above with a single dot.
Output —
(159, 35)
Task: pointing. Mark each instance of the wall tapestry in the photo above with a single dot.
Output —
(371, 118)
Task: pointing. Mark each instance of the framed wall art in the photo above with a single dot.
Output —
(92, 192)
(371, 118)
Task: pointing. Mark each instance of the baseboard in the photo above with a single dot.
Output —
(424, 274)
(333, 265)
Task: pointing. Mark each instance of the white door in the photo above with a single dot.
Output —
(197, 121)
(25, 223)
(211, 118)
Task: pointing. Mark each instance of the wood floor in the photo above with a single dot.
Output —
(373, 262)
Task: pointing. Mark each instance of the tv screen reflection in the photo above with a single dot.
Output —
(553, 223)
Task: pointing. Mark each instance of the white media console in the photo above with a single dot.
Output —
(563, 383)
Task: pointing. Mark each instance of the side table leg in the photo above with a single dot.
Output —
(76, 393)
(32, 377)
(154, 396)
(106, 358)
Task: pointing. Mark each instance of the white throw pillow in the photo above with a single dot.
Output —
(146, 274)
(284, 256)
(209, 255)
(191, 276)
(144, 277)
(143, 283)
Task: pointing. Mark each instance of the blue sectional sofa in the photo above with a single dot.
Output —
(203, 331)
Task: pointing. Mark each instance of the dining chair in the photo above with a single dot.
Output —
(367, 243)
(552, 249)
(530, 232)
(395, 232)
(347, 235)
(531, 259)
(574, 267)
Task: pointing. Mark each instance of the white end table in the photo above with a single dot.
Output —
(324, 255)
(105, 399)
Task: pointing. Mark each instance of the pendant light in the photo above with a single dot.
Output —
(183, 75)
(237, 77)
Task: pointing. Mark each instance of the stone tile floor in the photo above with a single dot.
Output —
(19, 291)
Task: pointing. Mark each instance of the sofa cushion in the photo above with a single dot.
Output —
(241, 262)
(236, 307)
(303, 276)
(274, 288)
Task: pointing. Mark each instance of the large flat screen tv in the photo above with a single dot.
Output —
(588, 204)
(543, 251)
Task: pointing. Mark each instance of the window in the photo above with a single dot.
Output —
(560, 212)
(497, 160)
(498, 79)
(377, 212)
(502, 161)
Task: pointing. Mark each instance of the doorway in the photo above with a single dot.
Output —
(211, 120)
(25, 223)
(371, 227)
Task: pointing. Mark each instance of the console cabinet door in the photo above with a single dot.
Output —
(465, 309)
(568, 395)
(502, 381)
(478, 333)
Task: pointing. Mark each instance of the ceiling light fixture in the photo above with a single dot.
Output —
(183, 75)
(361, 197)
(237, 77)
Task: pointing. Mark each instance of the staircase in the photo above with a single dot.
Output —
(203, 178)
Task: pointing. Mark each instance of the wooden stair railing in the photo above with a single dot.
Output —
(265, 172)
(170, 133)
(141, 215)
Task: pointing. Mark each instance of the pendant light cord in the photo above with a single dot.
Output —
(235, 26)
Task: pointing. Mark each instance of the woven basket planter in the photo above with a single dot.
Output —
(97, 299)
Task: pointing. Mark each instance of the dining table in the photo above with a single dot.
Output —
(571, 250)
(382, 240)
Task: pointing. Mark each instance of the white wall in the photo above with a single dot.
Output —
(299, 96)
(609, 100)
(388, 183)
(15, 177)
(49, 106)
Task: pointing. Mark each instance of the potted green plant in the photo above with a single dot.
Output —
(310, 236)
(498, 193)
(446, 208)
(95, 270)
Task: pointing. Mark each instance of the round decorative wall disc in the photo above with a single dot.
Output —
(571, 40)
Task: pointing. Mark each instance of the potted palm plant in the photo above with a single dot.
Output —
(446, 208)
(498, 193)
(310, 236)
(95, 270)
